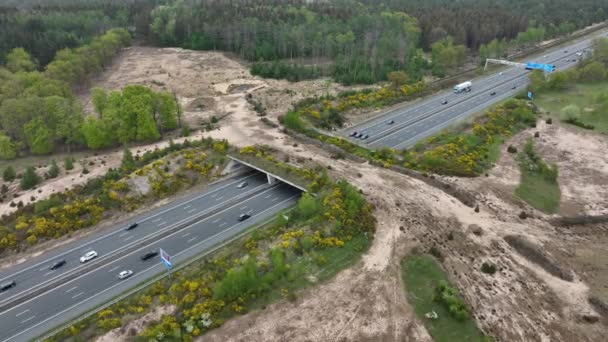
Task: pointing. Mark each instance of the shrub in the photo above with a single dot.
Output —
(488, 268)
(185, 131)
(54, 169)
(9, 174)
(549, 121)
(577, 122)
(68, 163)
(30, 178)
(512, 149)
(448, 296)
(434, 251)
(4, 189)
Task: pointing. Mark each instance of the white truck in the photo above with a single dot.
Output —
(464, 86)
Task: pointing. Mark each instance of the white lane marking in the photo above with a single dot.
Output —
(188, 206)
(42, 269)
(185, 235)
(274, 199)
(128, 238)
(213, 194)
(216, 220)
(219, 198)
(192, 239)
(47, 273)
(192, 210)
(26, 320)
(137, 274)
(77, 295)
(156, 220)
(22, 312)
(72, 289)
(223, 224)
(123, 234)
(244, 207)
(267, 196)
(162, 224)
(113, 269)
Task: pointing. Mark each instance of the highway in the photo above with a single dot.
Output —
(411, 123)
(95, 282)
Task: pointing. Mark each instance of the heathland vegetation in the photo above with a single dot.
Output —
(309, 244)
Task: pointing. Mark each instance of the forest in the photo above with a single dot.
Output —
(49, 49)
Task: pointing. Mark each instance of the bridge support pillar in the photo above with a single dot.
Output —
(271, 179)
(232, 166)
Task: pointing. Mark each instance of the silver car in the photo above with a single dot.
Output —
(125, 274)
(88, 256)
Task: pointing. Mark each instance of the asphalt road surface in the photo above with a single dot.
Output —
(415, 122)
(70, 299)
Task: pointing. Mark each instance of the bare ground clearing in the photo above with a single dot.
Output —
(521, 302)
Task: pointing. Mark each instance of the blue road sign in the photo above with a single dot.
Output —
(540, 66)
(165, 258)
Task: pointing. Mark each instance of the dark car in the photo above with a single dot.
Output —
(7, 285)
(132, 226)
(493, 93)
(444, 102)
(359, 135)
(353, 134)
(513, 87)
(57, 264)
(365, 137)
(390, 122)
(149, 255)
(243, 217)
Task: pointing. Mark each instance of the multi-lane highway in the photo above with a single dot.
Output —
(404, 126)
(188, 227)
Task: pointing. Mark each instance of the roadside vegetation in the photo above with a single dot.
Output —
(436, 302)
(471, 149)
(538, 185)
(140, 180)
(322, 235)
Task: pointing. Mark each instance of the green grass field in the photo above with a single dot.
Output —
(539, 192)
(421, 274)
(587, 97)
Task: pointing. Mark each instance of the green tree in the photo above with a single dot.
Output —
(397, 78)
(308, 206)
(537, 81)
(97, 134)
(593, 72)
(38, 137)
(99, 99)
(19, 60)
(68, 163)
(128, 163)
(9, 174)
(29, 179)
(54, 169)
(7, 148)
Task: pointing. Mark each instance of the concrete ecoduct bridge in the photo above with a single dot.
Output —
(238, 165)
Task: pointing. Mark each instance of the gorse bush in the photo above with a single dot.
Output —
(448, 296)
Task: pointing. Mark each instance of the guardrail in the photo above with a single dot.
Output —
(129, 248)
(152, 281)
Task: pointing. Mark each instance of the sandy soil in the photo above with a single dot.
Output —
(521, 302)
(134, 327)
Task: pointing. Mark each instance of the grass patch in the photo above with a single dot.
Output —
(422, 276)
(538, 184)
(582, 104)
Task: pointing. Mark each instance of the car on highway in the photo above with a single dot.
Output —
(125, 274)
(88, 256)
(57, 264)
(492, 93)
(444, 102)
(132, 226)
(365, 137)
(513, 87)
(360, 135)
(6, 286)
(243, 217)
(353, 134)
(149, 255)
(500, 73)
(390, 122)
(242, 185)
(579, 53)
(565, 51)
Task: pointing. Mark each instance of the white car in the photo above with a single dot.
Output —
(242, 185)
(88, 256)
(125, 274)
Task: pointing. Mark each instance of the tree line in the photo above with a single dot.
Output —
(38, 110)
(364, 42)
